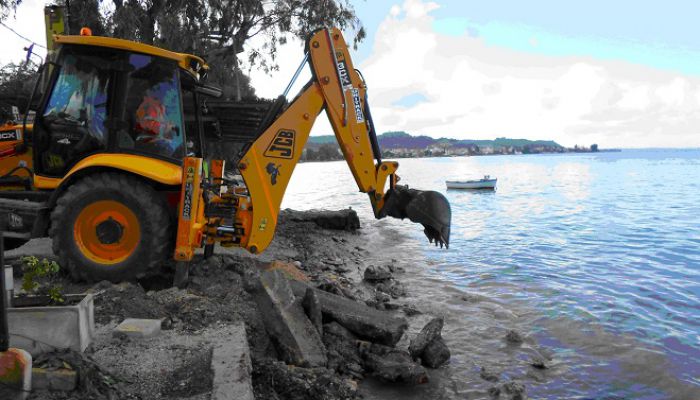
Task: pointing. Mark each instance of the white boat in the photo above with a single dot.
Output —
(486, 183)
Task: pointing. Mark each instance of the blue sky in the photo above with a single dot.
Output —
(617, 73)
(620, 73)
(661, 34)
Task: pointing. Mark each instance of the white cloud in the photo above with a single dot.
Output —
(28, 22)
(478, 91)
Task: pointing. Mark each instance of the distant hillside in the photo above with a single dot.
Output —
(403, 140)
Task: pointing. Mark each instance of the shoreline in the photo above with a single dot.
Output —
(215, 298)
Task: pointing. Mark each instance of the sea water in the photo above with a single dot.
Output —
(593, 257)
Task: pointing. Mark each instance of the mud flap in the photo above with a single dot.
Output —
(427, 207)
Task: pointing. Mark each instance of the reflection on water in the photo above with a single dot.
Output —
(594, 256)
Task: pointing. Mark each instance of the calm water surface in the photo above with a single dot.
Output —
(595, 257)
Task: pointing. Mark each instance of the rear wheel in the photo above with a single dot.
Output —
(110, 226)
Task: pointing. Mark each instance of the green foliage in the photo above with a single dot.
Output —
(325, 152)
(217, 30)
(36, 269)
(16, 82)
(8, 7)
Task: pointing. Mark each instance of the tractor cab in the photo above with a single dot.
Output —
(109, 95)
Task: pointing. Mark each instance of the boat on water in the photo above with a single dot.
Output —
(486, 183)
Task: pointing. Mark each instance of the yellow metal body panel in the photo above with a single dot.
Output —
(151, 168)
(11, 136)
(269, 163)
(344, 95)
(183, 60)
(190, 226)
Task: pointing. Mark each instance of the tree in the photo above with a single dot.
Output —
(594, 148)
(16, 82)
(7, 7)
(217, 30)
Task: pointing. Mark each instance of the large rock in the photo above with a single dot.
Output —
(365, 322)
(515, 390)
(295, 337)
(435, 354)
(344, 220)
(395, 366)
(375, 273)
(430, 332)
(429, 346)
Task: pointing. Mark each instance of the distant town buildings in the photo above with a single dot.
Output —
(404, 145)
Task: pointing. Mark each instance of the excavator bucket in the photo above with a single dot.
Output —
(427, 207)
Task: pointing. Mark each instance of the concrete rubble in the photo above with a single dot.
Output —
(295, 325)
(346, 219)
(295, 337)
(232, 367)
(367, 323)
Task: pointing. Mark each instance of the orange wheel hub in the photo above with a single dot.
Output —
(107, 232)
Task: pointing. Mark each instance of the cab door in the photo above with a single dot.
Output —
(72, 123)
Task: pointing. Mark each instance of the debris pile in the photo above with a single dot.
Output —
(315, 328)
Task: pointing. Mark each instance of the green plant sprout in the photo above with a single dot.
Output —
(33, 269)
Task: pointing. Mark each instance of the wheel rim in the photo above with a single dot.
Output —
(107, 232)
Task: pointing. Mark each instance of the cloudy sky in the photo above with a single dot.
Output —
(620, 74)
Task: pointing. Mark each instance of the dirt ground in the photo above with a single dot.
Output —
(174, 365)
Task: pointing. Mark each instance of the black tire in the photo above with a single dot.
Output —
(13, 243)
(150, 210)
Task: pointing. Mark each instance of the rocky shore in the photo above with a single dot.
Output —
(319, 319)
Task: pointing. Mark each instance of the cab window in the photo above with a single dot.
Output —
(153, 108)
(73, 120)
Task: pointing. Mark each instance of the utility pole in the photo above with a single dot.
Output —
(4, 332)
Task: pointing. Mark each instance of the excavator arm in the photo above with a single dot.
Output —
(338, 88)
(213, 210)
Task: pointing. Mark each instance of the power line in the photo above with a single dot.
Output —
(23, 37)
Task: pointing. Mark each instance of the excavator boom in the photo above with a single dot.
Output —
(338, 88)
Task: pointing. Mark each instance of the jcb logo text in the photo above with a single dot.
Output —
(282, 146)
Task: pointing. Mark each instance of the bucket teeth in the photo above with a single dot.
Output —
(429, 208)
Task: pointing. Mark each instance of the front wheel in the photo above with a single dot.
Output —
(110, 226)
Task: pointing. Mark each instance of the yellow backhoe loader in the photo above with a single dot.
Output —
(113, 166)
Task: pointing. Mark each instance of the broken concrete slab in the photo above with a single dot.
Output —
(137, 328)
(295, 337)
(232, 367)
(60, 379)
(313, 309)
(339, 220)
(365, 322)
